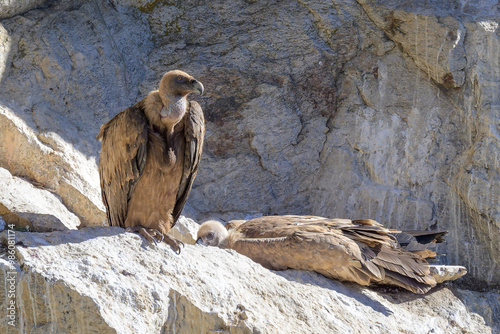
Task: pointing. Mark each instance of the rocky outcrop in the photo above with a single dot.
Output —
(358, 109)
(9, 8)
(32, 208)
(104, 280)
(57, 89)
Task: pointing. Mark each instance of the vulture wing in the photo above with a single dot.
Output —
(380, 248)
(422, 243)
(194, 132)
(323, 251)
(122, 160)
(358, 251)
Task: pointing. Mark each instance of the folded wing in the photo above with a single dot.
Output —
(361, 251)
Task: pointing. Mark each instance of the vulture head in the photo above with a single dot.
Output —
(174, 88)
(212, 233)
(178, 83)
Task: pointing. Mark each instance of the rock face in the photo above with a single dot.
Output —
(25, 206)
(386, 110)
(61, 80)
(9, 8)
(102, 280)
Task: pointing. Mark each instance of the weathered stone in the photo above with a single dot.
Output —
(9, 8)
(25, 206)
(69, 69)
(447, 273)
(104, 280)
(185, 230)
(61, 168)
(360, 109)
(435, 44)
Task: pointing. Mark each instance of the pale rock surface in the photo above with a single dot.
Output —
(185, 230)
(65, 71)
(38, 210)
(46, 159)
(9, 8)
(355, 109)
(447, 273)
(103, 280)
(434, 43)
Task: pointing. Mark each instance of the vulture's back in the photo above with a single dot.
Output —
(363, 252)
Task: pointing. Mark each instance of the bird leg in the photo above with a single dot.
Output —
(152, 235)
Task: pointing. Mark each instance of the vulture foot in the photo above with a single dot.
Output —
(174, 243)
(152, 235)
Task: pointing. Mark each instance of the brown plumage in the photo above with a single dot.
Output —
(360, 251)
(149, 158)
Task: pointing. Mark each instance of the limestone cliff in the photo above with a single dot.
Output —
(386, 110)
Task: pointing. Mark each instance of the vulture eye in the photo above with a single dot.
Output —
(210, 236)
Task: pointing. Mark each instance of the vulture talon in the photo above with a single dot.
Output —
(162, 236)
(174, 243)
(157, 235)
(153, 239)
(149, 234)
(130, 229)
(179, 247)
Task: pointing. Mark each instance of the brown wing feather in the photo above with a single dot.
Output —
(194, 134)
(331, 255)
(381, 249)
(265, 251)
(420, 242)
(232, 224)
(361, 251)
(277, 226)
(122, 160)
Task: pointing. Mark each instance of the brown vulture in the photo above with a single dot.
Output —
(149, 158)
(360, 251)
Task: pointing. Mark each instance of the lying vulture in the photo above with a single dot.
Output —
(361, 251)
(149, 158)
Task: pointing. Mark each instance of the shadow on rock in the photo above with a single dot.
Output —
(29, 239)
(349, 289)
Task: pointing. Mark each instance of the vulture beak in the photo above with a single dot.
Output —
(199, 241)
(197, 87)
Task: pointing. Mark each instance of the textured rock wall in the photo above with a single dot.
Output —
(31, 208)
(362, 109)
(9, 8)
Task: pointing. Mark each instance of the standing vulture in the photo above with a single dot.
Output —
(360, 251)
(149, 158)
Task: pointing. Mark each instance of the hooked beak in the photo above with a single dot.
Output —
(199, 241)
(198, 87)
